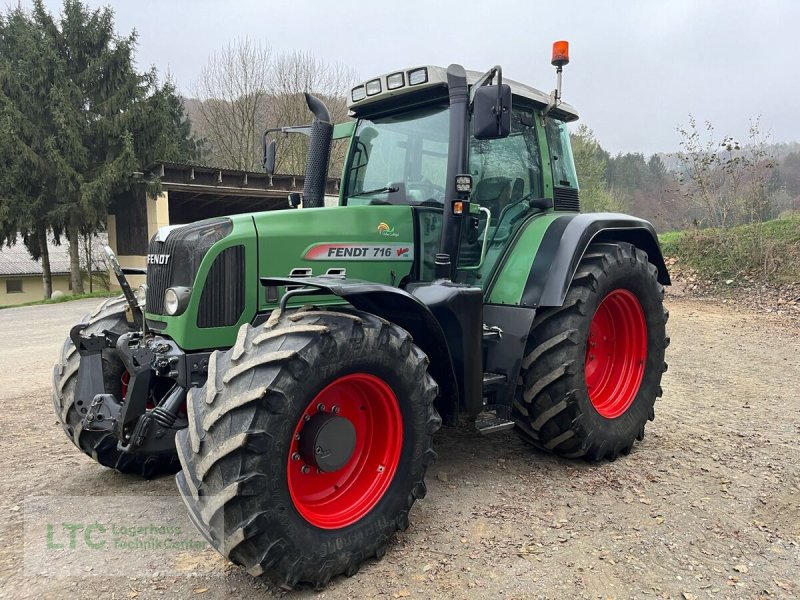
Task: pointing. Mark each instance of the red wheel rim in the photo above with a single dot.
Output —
(340, 498)
(616, 352)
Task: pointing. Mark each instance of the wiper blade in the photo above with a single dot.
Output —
(386, 189)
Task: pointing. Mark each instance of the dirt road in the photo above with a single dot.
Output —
(707, 506)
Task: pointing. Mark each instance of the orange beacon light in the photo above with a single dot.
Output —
(560, 54)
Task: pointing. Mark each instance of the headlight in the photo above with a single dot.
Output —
(141, 296)
(175, 300)
(171, 301)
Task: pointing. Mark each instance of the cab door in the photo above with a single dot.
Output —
(506, 175)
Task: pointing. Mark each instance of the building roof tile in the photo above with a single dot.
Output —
(15, 260)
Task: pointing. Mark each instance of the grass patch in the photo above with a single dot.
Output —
(768, 251)
(66, 298)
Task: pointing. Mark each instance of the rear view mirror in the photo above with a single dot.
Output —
(269, 156)
(491, 112)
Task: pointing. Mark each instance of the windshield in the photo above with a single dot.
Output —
(400, 159)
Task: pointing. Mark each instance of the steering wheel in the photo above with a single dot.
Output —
(435, 190)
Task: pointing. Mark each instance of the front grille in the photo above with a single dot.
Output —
(566, 199)
(222, 302)
(159, 277)
(185, 248)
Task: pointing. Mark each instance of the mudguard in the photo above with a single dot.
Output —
(555, 256)
(400, 307)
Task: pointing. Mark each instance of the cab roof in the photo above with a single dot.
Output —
(376, 91)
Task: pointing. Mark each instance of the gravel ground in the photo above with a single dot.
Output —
(707, 506)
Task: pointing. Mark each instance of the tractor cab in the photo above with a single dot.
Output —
(471, 182)
(509, 143)
(399, 155)
(401, 143)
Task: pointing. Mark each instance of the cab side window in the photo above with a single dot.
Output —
(560, 154)
(508, 169)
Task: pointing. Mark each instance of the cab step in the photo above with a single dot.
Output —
(493, 382)
(488, 422)
(492, 333)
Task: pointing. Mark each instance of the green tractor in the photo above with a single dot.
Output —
(294, 365)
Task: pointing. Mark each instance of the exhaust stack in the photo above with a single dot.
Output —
(319, 152)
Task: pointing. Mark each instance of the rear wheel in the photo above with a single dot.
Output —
(592, 370)
(309, 444)
(102, 446)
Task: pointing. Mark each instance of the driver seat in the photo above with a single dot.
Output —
(493, 193)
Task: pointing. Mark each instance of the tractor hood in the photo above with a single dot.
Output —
(375, 243)
(214, 266)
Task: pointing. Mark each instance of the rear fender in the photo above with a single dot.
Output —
(400, 307)
(565, 242)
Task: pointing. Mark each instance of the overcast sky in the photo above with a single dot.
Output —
(638, 67)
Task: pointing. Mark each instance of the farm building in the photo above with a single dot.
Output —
(190, 193)
(21, 276)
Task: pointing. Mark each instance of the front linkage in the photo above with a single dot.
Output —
(152, 407)
(147, 417)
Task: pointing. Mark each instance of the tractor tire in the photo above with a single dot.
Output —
(101, 446)
(251, 477)
(592, 367)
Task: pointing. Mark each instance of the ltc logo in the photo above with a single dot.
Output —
(72, 533)
(386, 231)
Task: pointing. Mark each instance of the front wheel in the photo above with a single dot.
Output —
(309, 443)
(592, 370)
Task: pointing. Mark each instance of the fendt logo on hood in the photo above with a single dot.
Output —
(157, 259)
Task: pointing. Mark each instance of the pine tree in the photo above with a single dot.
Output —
(27, 204)
(94, 87)
(77, 122)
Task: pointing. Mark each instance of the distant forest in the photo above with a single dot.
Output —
(658, 187)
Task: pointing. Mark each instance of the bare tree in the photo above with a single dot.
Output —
(726, 182)
(94, 261)
(245, 89)
(293, 74)
(233, 89)
(730, 183)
